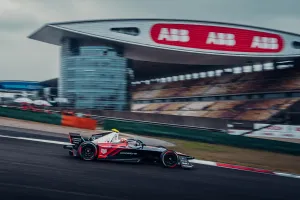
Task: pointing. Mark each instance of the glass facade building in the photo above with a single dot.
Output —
(93, 77)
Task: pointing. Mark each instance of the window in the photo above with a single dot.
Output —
(296, 44)
(211, 73)
(238, 97)
(127, 30)
(255, 96)
(209, 98)
(93, 80)
(275, 95)
(268, 66)
(202, 74)
(237, 70)
(257, 68)
(297, 94)
(247, 69)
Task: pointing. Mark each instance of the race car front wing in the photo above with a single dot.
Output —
(184, 162)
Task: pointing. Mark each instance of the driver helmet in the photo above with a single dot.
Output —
(115, 130)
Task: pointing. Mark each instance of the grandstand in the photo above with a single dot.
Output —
(177, 68)
(254, 96)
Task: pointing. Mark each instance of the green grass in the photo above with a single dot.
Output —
(197, 146)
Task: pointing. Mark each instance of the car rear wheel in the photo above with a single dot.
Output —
(88, 151)
(169, 159)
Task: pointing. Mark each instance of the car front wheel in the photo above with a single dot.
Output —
(169, 159)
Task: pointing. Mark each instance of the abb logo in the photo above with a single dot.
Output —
(176, 35)
(216, 38)
(227, 39)
(264, 43)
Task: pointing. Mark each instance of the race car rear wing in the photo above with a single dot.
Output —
(76, 138)
(108, 136)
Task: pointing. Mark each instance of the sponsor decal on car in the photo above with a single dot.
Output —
(103, 151)
(128, 153)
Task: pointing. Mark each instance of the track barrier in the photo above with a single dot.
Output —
(202, 135)
(49, 118)
(78, 122)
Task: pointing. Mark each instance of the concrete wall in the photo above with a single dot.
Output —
(159, 118)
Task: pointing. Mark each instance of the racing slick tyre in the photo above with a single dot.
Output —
(169, 159)
(88, 151)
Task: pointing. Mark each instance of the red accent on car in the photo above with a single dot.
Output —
(109, 149)
(70, 139)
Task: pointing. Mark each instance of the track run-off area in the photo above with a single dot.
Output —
(35, 169)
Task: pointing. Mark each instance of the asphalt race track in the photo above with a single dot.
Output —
(35, 170)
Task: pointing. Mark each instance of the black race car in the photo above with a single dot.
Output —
(107, 146)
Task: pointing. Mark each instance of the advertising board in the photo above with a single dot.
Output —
(276, 131)
(218, 38)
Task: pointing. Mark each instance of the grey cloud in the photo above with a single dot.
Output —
(22, 58)
(18, 24)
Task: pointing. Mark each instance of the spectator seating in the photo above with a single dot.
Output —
(277, 80)
(252, 110)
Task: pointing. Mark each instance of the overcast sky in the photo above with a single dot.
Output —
(25, 59)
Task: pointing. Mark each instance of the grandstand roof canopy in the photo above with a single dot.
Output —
(187, 46)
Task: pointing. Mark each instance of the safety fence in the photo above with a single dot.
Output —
(203, 135)
(55, 118)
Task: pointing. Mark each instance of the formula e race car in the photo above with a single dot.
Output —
(108, 146)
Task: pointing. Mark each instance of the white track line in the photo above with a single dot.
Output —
(287, 175)
(36, 140)
(203, 162)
